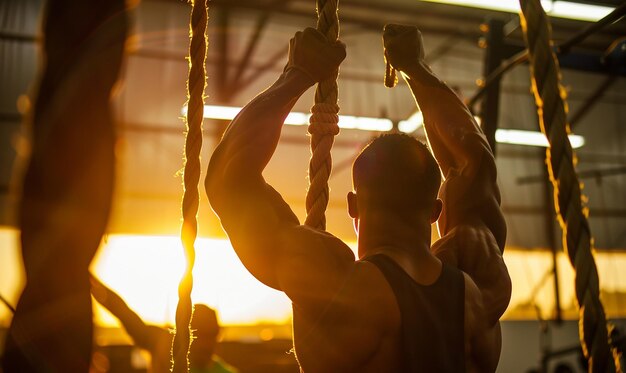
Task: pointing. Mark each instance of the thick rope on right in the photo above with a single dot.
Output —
(323, 125)
(196, 83)
(560, 159)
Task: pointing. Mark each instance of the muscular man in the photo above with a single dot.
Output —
(158, 341)
(403, 306)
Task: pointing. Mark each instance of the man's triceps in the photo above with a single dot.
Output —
(257, 220)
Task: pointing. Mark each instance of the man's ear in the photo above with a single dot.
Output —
(353, 209)
(437, 207)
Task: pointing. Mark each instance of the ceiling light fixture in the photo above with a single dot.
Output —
(532, 138)
(413, 123)
(554, 8)
(302, 119)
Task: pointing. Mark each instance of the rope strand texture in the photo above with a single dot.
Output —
(191, 176)
(323, 125)
(560, 159)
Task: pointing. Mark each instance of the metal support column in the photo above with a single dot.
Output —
(221, 46)
(489, 108)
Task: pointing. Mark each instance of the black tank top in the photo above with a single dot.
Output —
(432, 318)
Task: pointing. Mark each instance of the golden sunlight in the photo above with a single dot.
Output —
(145, 270)
(11, 272)
(533, 292)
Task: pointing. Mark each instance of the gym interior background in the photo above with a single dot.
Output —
(141, 257)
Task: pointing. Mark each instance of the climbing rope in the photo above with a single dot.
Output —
(560, 159)
(323, 125)
(191, 176)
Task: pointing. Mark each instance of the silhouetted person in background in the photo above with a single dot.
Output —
(404, 305)
(158, 340)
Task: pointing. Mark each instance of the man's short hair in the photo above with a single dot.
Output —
(397, 173)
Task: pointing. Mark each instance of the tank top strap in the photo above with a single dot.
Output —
(432, 317)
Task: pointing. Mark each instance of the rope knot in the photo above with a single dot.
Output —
(324, 119)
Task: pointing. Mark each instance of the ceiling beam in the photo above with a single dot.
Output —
(236, 84)
(375, 23)
(591, 101)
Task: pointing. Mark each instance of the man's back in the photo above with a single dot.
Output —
(362, 327)
(357, 331)
(432, 332)
(345, 313)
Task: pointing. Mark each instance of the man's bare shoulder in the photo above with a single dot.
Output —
(470, 247)
(316, 245)
(313, 266)
(473, 249)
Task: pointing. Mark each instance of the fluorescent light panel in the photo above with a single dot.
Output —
(532, 138)
(302, 119)
(506, 136)
(412, 124)
(560, 9)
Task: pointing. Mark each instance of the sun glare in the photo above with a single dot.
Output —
(11, 272)
(145, 271)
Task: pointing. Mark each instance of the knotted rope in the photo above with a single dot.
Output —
(191, 176)
(560, 159)
(323, 125)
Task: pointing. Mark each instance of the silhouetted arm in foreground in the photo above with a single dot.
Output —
(144, 335)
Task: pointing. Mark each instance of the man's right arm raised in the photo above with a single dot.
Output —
(471, 216)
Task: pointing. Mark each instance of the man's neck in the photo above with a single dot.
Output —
(387, 233)
(409, 247)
